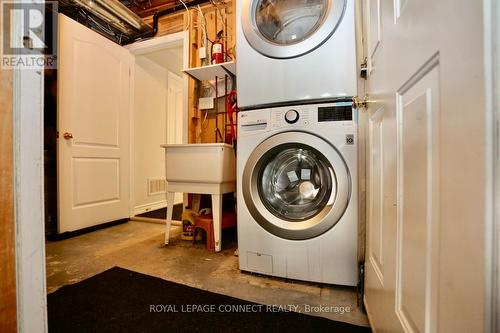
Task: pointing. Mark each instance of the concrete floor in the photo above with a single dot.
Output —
(137, 246)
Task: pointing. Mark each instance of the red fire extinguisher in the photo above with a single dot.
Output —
(218, 49)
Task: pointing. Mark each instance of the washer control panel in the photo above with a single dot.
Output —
(291, 116)
(298, 116)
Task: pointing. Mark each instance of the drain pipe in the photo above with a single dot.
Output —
(161, 13)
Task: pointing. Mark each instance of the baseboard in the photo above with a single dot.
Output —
(141, 209)
(155, 221)
(70, 234)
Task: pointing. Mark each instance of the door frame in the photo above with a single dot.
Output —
(491, 11)
(140, 48)
(173, 76)
(179, 198)
(29, 200)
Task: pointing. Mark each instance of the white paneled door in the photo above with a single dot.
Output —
(425, 267)
(93, 126)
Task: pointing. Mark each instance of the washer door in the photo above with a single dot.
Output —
(296, 190)
(291, 28)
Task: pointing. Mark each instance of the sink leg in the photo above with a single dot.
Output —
(217, 215)
(168, 221)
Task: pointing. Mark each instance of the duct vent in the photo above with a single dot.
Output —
(157, 186)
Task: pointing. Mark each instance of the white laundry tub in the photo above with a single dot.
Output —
(208, 168)
(211, 163)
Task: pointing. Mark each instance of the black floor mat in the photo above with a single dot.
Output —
(119, 300)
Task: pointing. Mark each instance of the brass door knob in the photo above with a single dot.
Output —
(68, 136)
(360, 102)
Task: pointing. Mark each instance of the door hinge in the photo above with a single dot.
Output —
(360, 102)
(364, 69)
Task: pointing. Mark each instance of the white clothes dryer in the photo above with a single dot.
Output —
(295, 51)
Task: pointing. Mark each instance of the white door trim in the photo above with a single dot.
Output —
(28, 184)
(159, 43)
(179, 197)
(28, 200)
(147, 46)
(492, 206)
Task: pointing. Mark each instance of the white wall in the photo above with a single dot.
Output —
(150, 120)
(170, 59)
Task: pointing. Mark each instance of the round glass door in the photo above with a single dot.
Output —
(296, 190)
(290, 28)
(296, 183)
(289, 22)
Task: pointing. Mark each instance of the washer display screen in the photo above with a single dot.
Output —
(287, 22)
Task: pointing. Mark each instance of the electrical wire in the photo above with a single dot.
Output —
(204, 119)
(216, 4)
(219, 13)
(203, 127)
(104, 29)
(189, 15)
(100, 26)
(204, 39)
(203, 26)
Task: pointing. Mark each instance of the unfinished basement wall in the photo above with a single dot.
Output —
(7, 255)
(214, 21)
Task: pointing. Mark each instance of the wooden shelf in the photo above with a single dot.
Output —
(209, 72)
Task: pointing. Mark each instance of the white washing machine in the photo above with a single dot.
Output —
(297, 192)
(294, 51)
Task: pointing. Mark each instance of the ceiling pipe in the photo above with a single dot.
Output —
(116, 14)
(103, 14)
(156, 18)
(120, 10)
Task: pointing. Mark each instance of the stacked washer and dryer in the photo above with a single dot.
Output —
(297, 139)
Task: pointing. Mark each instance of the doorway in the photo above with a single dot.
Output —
(159, 116)
(152, 111)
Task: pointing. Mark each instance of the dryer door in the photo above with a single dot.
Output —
(288, 29)
(296, 185)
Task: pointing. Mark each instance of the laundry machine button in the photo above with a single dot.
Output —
(291, 116)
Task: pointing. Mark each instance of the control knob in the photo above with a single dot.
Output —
(291, 116)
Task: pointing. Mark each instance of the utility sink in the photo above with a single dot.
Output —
(209, 163)
(205, 168)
